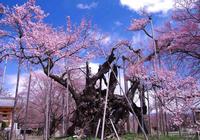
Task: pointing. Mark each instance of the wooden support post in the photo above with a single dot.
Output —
(47, 107)
(126, 90)
(27, 105)
(141, 105)
(97, 129)
(157, 118)
(15, 102)
(149, 113)
(105, 107)
(67, 104)
(129, 103)
(115, 130)
(63, 114)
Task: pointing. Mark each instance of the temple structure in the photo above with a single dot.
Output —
(6, 107)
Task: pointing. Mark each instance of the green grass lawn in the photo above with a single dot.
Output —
(134, 137)
(141, 137)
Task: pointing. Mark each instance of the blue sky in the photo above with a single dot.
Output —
(112, 17)
(109, 15)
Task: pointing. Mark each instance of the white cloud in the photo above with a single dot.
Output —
(151, 6)
(11, 82)
(87, 6)
(106, 40)
(94, 67)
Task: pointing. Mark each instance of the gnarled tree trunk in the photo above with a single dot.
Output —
(90, 104)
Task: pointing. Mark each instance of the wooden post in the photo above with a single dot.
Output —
(115, 130)
(149, 113)
(105, 108)
(166, 123)
(179, 130)
(63, 114)
(129, 103)
(47, 117)
(126, 90)
(16, 95)
(50, 105)
(67, 104)
(160, 117)
(155, 51)
(157, 118)
(141, 105)
(65, 120)
(163, 119)
(66, 116)
(120, 90)
(47, 108)
(197, 135)
(27, 105)
(97, 130)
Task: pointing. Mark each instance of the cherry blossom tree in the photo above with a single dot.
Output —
(179, 37)
(182, 34)
(177, 95)
(179, 40)
(36, 111)
(139, 24)
(58, 51)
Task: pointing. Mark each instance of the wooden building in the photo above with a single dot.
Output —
(6, 107)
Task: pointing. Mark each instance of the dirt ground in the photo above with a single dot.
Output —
(32, 138)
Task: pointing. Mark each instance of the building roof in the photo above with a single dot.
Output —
(7, 102)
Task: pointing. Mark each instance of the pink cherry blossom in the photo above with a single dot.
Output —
(138, 24)
(137, 71)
